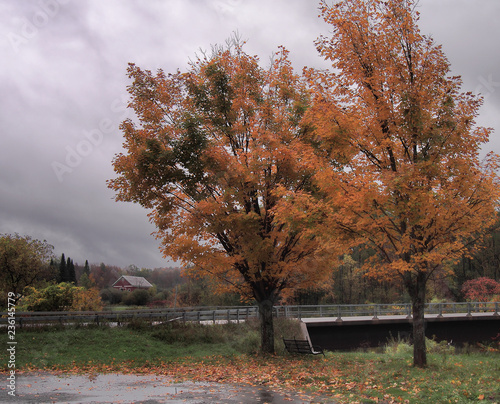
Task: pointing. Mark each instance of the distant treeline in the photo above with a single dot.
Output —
(348, 283)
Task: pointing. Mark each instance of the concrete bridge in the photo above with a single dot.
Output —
(333, 327)
(459, 324)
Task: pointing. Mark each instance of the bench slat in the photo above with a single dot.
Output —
(302, 346)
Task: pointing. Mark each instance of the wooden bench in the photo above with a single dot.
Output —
(302, 346)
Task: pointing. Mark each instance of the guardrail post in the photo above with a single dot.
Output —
(339, 313)
(440, 307)
(228, 316)
(496, 309)
(213, 316)
(375, 312)
(469, 309)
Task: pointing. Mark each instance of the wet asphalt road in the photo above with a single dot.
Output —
(145, 389)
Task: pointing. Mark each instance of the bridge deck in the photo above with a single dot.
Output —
(351, 332)
(322, 321)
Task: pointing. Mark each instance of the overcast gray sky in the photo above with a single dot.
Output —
(63, 87)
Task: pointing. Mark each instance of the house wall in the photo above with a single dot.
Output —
(122, 284)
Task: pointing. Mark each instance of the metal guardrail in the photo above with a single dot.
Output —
(242, 313)
(377, 310)
(192, 314)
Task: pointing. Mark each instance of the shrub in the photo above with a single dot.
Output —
(128, 299)
(139, 297)
(249, 343)
(61, 297)
(86, 300)
(481, 289)
(400, 347)
(243, 337)
(112, 295)
(441, 347)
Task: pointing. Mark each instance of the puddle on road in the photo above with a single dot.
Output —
(145, 389)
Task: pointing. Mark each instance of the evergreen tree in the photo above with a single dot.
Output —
(71, 271)
(54, 269)
(63, 270)
(86, 268)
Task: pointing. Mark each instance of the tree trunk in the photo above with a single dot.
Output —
(417, 293)
(266, 327)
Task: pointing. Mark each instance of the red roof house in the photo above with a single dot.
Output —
(130, 283)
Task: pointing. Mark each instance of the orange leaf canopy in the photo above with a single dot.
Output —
(215, 154)
(411, 184)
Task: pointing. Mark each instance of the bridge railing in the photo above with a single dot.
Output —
(241, 313)
(377, 310)
(340, 311)
(465, 307)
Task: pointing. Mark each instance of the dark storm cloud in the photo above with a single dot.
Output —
(63, 85)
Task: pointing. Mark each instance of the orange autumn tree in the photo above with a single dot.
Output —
(410, 184)
(214, 154)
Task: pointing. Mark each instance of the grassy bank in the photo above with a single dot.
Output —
(226, 353)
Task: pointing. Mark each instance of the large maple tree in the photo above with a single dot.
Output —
(215, 154)
(408, 179)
